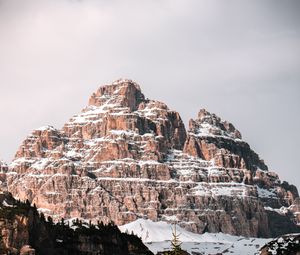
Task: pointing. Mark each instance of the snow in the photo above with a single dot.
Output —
(148, 162)
(264, 193)
(44, 128)
(172, 218)
(208, 130)
(40, 164)
(2, 163)
(22, 160)
(92, 112)
(282, 210)
(133, 179)
(44, 210)
(123, 132)
(4, 203)
(38, 175)
(52, 193)
(214, 171)
(96, 141)
(152, 112)
(124, 80)
(157, 236)
(59, 174)
(11, 173)
(73, 154)
(221, 189)
(151, 231)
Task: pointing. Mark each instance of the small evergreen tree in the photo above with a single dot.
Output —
(42, 217)
(27, 203)
(50, 220)
(175, 243)
(100, 225)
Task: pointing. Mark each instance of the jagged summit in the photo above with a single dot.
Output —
(124, 157)
(122, 106)
(44, 128)
(211, 138)
(209, 124)
(129, 82)
(121, 93)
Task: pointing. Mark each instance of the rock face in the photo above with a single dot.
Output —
(3, 171)
(285, 245)
(211, 138)
(125, 157)
(23, 231)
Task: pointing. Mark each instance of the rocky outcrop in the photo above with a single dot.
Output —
(211, 138)
(23, 231)
(125, 157)
(3, 167)
(3, 171)
(285, 245)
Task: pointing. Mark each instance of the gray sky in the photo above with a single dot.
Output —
(239, 59)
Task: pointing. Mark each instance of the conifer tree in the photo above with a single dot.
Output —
(50, 220)
(175, 243)
(42, 217)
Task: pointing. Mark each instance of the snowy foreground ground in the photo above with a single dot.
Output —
(157, 236)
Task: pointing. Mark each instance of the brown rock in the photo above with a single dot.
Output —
(211, 138)
(27, 250)
(125, 157)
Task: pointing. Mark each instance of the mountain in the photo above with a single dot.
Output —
(126, 157)
(26, 232)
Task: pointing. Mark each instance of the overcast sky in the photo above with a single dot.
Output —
(239, 59)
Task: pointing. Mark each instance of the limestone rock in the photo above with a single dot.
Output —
(211, 138)
(125, 157)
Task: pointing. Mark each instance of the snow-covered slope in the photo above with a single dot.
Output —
(157, 236)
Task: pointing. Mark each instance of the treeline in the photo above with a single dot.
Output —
(65, 237)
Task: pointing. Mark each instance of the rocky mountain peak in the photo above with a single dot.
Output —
(121, 93)
(40, 141)
(124, 157)
(209, 124)
(211, 138)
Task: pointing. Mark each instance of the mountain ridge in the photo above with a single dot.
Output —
(125, 157)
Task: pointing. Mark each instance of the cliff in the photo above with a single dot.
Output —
(126, 157)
